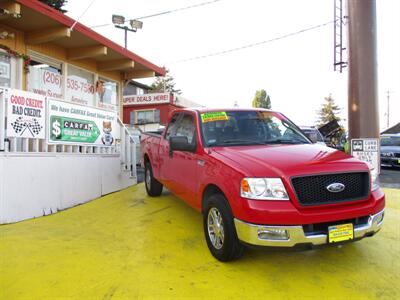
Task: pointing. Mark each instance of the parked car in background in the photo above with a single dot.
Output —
(390, 150)
(313, 134)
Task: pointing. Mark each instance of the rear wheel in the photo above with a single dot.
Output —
(219, 229)
(153, 186)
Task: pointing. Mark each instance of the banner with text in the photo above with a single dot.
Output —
(77, 124)
(26, 114)
(147, 99)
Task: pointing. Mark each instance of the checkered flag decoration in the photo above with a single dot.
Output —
(20, 125)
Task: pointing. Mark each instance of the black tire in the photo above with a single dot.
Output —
(229, 248)
(153, 186)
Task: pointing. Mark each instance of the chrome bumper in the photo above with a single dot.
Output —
(252, 234)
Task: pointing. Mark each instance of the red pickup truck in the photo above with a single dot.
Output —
(258, 180)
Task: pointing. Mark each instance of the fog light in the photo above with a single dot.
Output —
(272, 234)
(378, 219)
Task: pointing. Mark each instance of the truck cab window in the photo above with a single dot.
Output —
(186, 128)
(171, 130)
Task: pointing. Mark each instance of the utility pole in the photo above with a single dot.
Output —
(363, 106)
(388, 107)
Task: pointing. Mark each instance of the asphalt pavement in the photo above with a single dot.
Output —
(390, 178)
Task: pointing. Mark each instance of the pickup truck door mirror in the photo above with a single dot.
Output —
(180, 143)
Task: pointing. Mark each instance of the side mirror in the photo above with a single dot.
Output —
(180, 143)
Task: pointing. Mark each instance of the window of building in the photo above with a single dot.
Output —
(10, 71)
(107, 94)
(145, 116)
(80, 86)
(139, 91)
(5, 70)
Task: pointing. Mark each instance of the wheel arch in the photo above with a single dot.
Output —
(209, 190)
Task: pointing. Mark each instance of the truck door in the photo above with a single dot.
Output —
(181, 169)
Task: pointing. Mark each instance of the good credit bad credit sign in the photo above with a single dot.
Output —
(26, 115)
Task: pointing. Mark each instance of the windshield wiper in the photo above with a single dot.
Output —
(239, 142)
(283, 141)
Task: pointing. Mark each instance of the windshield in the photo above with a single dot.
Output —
(234, 128)
(390, 141)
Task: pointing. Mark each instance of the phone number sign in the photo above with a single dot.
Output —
(367, 150)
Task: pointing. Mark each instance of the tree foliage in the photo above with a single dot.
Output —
(57, 4)
(329, 111)
(262, 100)
(164, 84)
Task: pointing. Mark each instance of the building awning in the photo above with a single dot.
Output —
(43, 24)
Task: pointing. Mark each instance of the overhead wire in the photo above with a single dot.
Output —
(252, 44)
(163, 12)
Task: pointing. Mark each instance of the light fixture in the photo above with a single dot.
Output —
(118, 20)
(136, 24)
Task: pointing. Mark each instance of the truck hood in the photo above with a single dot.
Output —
(286, 160)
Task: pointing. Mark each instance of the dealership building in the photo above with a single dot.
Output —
(62, 137)
(148, 111)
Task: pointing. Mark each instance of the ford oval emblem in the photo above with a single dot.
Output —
(335, 187)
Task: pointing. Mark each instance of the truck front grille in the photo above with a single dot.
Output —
(312, 189)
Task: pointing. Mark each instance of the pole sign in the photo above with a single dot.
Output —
(367, 150)
(77, 124)
(26, 115)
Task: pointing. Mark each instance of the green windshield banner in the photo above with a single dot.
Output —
(214, 116)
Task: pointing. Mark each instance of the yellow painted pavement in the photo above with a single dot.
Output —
(128, 246)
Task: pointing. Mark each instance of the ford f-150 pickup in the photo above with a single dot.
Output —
(258, 180)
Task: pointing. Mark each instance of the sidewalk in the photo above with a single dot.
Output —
(128, 246)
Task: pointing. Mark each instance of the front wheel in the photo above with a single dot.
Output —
(219, 229)
(153, 186)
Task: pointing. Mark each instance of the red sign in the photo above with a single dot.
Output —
(147, 99)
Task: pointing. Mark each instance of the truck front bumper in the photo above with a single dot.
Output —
(290, 236)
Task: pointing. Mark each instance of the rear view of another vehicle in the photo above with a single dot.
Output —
(390, 150)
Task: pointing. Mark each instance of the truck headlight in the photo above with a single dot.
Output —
(374, 178)
(263, 189)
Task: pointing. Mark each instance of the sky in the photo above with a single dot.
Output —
(297, 71)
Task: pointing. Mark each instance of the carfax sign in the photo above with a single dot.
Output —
(71, 123)
(366, 150)
(26, 114)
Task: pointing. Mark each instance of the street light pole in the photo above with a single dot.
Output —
(120, 20)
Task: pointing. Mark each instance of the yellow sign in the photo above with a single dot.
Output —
(214, 116)
(340, 233)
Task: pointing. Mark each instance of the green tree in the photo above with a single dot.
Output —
(164, 84)
(329, 112)
(262, 100)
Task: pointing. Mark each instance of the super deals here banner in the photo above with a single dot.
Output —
(77, 124)
(26, 114)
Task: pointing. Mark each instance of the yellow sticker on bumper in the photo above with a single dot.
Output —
(340, 233)
(214, 116)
